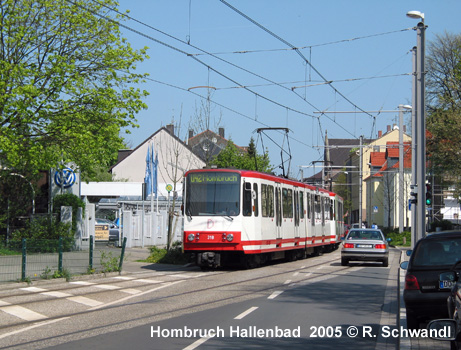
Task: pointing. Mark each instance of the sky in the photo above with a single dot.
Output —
(237, 58)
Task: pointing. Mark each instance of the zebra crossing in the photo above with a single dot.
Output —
(87, 294)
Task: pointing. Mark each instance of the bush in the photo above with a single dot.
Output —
(42, 235)
(444, 225)
(173, 256)
(398, 238)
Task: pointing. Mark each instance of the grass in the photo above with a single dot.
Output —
(5, 251)
(400, 239)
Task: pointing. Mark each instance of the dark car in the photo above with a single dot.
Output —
(427, 283)
(114, 230)
(365, 245)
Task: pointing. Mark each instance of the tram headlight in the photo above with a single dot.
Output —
(191, 237)
(230, 237)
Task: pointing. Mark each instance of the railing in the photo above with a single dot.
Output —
(31, 259)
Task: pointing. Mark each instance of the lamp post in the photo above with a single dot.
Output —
(420, 211)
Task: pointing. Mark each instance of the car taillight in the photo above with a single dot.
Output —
(348, 245)
(380, 246)
(411, 282)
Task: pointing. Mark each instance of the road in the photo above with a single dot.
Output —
(314, 303)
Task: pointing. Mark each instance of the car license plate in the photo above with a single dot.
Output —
(364, 246)
(446, 284)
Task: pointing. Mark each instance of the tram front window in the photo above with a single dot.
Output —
(213, 193)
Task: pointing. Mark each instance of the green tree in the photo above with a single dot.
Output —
(444, 108)
(234, 157)
(67, 86)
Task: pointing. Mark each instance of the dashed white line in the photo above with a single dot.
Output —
(83, 283)
(148, 281)
(130, 291)
(85, 301)
(3, 303)
(125, 278)
(287, 282)
(245, 313)
(57, 294)
(296, 274)
(33, 289)
(275, 294)
(197, 343)
(106, 286)
(23, 313)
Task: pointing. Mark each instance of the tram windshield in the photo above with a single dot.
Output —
(213, 193)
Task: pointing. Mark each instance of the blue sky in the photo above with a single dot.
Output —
(362, 46)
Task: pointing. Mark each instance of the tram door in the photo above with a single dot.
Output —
(278, 211)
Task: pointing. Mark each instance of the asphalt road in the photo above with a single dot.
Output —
(313, 303)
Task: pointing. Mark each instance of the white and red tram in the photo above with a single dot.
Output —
(247, 217)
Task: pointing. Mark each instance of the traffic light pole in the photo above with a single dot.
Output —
(421, 135)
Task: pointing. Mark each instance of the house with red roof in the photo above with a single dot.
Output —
(383, 203)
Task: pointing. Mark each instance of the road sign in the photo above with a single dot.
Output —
(64, 178)
(375, 209)
(169, 188)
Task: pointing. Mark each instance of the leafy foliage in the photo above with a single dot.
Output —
(233, 157)
(172, 256)
(444, 110)
(67, 85)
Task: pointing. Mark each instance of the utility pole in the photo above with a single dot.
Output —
(360, 180)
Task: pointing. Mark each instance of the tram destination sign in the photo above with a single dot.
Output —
(227, 178)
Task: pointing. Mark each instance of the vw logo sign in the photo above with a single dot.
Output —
(64, 178)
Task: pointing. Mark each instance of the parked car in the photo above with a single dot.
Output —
(365, 245)
(114, 230)
(430, 277)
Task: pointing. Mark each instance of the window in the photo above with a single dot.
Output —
(246, 200)
(301, 204)
(267, 201)
(212, 193)
(287, 203)
(255, 203)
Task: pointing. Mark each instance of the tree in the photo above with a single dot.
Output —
(67, 84)
(233, 157)
(444, 109)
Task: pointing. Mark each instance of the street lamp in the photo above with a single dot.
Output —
(420, 211)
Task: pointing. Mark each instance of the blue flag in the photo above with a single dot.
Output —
(148, 176)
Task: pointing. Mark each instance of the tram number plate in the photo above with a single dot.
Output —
(446, 284)
(364, 246)
(210, 237)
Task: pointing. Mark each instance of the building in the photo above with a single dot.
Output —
(383, 204)
(174, 159)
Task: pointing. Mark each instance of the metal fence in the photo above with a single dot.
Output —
(31, 259)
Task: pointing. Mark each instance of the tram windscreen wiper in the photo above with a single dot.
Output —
(228, 217)
(189, 214)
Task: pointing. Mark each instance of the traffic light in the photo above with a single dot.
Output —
(428, 194)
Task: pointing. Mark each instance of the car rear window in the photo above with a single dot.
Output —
(431, 252)
(359, 234)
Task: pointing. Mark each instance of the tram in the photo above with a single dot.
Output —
(242, 217)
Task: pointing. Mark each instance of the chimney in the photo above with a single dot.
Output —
(170, 128)
(191, 133)
(380, 134)
(388, 128)
(404, 128)
(221, 132)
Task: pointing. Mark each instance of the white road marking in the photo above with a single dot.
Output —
(57, 294)
(23, 313)
(126, 278)
(85, 301)
(33, 289)
(38, 324)
(3, 303)
(83, 283)
(275, 294)
(106, 286)
(197, 343)
(295, 274)
(147, 281)
(287, 282)
(245, 313)
(130, 291)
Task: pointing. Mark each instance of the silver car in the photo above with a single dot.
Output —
(365, 245)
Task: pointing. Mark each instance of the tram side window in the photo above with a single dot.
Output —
(318, 209)
(246, 201)
(256, 207)
(327, 205)
(267, 201)
(301, 204)
(332, 208)
(287, 203)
